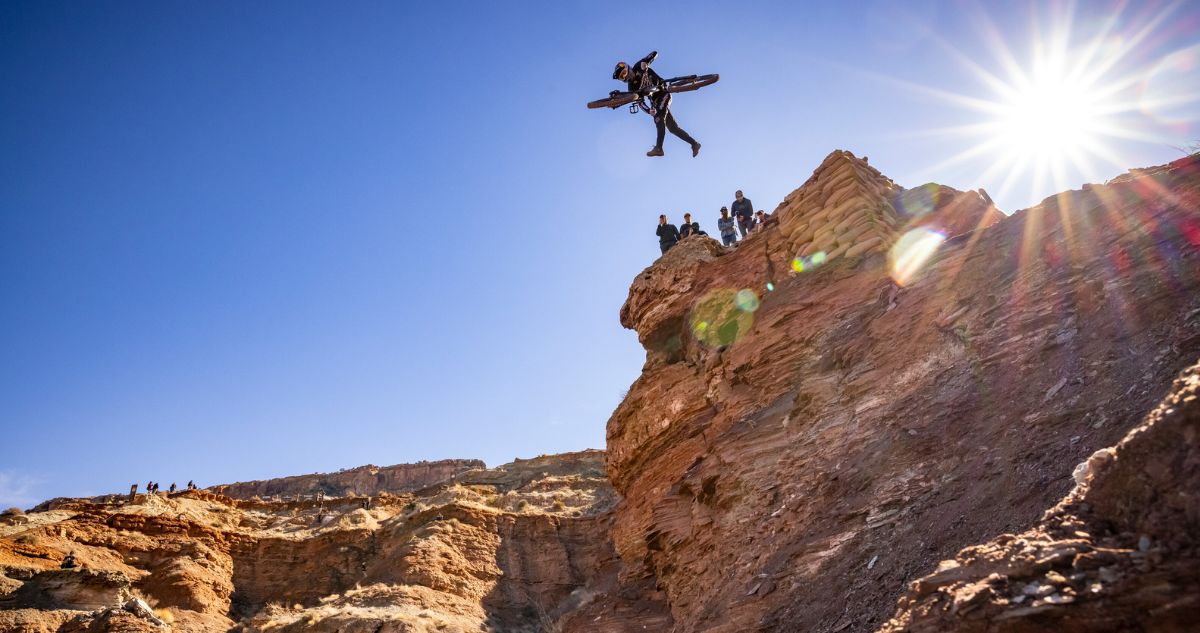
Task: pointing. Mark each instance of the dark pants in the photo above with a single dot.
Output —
(667, 122)
(665, 246)
(730, 239)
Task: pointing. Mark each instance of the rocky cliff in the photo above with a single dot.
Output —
(821, 419)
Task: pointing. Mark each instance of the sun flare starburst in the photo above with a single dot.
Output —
(1056, 116)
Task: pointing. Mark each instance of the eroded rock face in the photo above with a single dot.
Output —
(845, 432)
(77, 590)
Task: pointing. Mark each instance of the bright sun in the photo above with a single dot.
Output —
(1052, 118)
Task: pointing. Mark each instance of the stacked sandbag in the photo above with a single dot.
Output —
(843, 210)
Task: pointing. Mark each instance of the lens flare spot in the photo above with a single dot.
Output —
(911, 252)
(718, 318)
(919, 201)
(746, 300)
(803, 264)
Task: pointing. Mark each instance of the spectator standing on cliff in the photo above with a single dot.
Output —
(172, 488)
(728, 228)
(667, 234)
(688, 227)
(743, 210)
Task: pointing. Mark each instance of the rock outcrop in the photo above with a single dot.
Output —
(804, 440)
(366, 480)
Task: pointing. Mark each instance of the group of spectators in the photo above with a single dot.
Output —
(743, 220)
(152, 488)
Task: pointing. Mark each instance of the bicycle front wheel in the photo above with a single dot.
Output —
(691, 82)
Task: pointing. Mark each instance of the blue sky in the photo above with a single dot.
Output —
(245, 240)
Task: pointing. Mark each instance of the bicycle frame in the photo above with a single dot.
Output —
(640, 104)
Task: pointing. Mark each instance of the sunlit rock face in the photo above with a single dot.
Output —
(870, 414)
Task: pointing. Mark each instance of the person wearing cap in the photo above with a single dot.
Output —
(728, 228)
(640, 78)
(668, 235)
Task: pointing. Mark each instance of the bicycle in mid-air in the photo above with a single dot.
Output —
(637, 102)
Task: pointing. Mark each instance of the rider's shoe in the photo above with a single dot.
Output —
(657, 151)
(695, 149)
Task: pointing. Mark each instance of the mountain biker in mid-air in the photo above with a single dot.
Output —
(642, 79)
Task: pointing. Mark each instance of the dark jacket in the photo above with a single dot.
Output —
(686, 229)
(642, 79)
(667, 233)
(743, 210)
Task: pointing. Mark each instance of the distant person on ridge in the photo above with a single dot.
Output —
(728, 228)
(640, 78)
(69, 562)
(667, 234)
(743, 210)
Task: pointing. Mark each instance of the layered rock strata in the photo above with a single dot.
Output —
(843, 432)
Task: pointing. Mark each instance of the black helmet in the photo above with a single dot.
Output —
(621, 66)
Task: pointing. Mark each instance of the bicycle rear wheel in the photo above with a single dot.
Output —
(615, 101)
(691, 82)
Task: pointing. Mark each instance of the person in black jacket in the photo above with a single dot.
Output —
(743, 210)
(688, 227)
(667, 234)
(640, 78)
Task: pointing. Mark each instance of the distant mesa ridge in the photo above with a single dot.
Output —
(363, 480)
